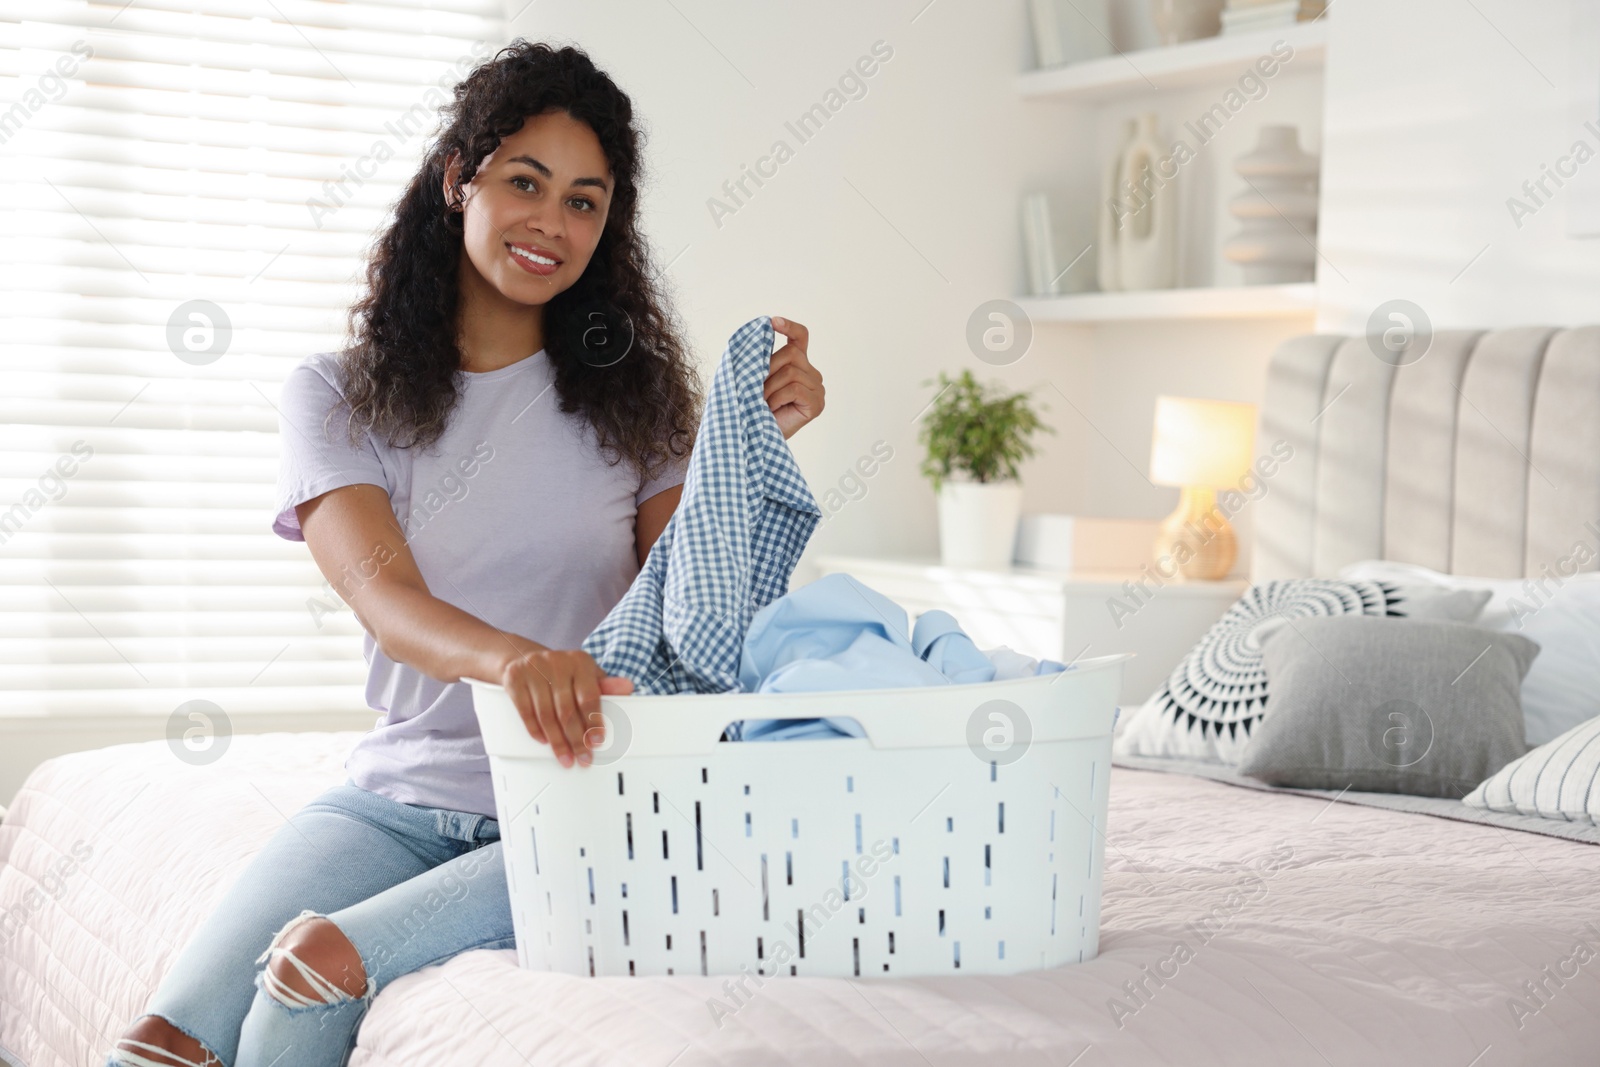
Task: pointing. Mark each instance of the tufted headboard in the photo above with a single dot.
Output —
(1482, 457)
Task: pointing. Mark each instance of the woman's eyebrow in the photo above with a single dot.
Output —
(599, 183)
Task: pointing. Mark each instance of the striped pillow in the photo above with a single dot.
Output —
(1558, 780)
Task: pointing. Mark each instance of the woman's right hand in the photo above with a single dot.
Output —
(557, 692)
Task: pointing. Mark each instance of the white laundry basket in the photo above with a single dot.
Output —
(963, 835)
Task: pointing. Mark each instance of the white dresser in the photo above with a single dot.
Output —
(1063, 615)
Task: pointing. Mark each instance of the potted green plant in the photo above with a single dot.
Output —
(975, 437)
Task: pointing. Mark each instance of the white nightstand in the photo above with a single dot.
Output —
(1062, 615)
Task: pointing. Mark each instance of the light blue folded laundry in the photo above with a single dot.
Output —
(837, 633)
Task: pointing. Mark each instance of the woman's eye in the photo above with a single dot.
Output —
(585, 202)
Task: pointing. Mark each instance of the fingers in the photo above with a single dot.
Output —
(556, 736)
(518, 679)
(793, 386)
(777, 379)
(529, 712)
(531, 681)
(793, 393)
(586, 688)
(557, 693)
(550, 721)
(797, 334)
(790, 355)
(571, 722)
(530, 691)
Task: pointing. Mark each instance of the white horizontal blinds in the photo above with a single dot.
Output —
(242, 153)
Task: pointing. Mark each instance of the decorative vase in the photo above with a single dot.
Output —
(1186, 20)
(978, 522)
(1276, 241)
(1110, 211)
(1147, 239)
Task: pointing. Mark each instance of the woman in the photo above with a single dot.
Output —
(476, 513)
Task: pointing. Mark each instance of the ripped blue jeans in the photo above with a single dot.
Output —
(407, 885)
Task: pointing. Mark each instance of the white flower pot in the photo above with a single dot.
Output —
(978, 523)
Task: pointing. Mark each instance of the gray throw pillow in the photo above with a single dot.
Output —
(1389, 705)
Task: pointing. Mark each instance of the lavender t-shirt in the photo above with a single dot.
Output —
(513, 515)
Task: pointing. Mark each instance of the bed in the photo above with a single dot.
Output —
(1240, 926)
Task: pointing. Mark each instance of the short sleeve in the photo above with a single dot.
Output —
(673, 473)
(312, 459)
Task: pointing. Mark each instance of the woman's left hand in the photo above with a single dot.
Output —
(793, 388)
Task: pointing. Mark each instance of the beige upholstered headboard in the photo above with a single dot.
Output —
(1482, 457)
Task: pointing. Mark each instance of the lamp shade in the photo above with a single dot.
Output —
(1201, 442)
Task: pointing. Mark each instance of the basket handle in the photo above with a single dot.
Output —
(865, 733)
(910, 717)
(702, 718)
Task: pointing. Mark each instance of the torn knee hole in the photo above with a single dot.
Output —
(131, 1053)
(311, 962)
(153, 1041)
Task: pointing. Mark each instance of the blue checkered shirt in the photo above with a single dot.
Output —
(729, 548)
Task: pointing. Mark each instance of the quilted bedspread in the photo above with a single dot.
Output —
(1239, 927)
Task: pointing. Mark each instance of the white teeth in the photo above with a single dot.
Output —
(533, 256)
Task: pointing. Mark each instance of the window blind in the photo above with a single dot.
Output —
(187, 191)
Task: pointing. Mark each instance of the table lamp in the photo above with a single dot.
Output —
(1199, 446)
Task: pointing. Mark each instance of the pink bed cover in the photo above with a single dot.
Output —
(1239, 928)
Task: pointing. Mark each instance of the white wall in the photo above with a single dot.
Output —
(1437, 112)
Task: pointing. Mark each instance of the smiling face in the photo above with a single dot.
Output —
(536, 208)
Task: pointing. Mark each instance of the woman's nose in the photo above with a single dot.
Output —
(544, 222)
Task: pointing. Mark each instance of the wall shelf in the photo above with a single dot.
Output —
(1242, 302)
(1209, 60)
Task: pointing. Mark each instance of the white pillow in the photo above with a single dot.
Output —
(1562, 614)
(1559, 780)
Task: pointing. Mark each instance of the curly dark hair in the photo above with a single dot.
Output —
(402, 364)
